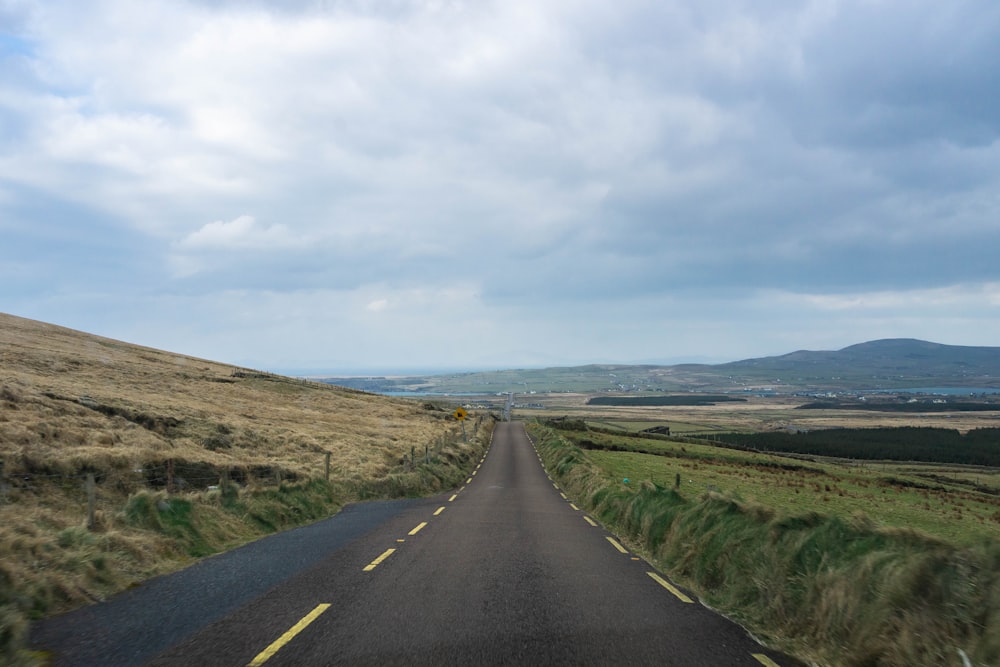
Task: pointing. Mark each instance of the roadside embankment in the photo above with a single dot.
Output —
(120, 462)
(47, 569)
(833, 591)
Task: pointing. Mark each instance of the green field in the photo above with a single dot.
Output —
(839, 563)
(940, 500)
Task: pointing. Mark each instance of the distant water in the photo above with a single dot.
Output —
(415, 394)
(941, 391)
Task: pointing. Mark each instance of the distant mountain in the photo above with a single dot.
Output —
(898, 363)
(893, 351)
(888, 363)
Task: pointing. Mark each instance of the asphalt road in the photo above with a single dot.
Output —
(505, 571)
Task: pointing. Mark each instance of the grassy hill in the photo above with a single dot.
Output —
(188, 457)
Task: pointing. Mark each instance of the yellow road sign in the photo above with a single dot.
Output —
(460, 414)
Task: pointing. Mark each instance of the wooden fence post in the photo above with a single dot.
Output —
(328, 466)
(91, 512)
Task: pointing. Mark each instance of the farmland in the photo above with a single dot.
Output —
(711, 448)
(960, 504)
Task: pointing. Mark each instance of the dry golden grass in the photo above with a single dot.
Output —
(71, 400)
(73, 403)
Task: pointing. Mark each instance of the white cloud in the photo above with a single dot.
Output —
(530, 164)
(243, 232)
(931, 302)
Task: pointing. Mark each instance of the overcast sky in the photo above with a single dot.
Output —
(351, 186)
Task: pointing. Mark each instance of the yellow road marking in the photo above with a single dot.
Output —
(269, 652)
(616, 545)
(556, 486)
(670, 587)
(590, 521)
(417, 529)
(378, 561)
(764, 660)
(452, 499)
(575, 508)
(563, 496)
(474, 472)
(439, 510)
(401, 540)
(468, 481)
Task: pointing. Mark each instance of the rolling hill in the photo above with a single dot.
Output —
(118, 462)
(893, 364)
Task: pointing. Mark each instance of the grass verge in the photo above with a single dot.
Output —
(831, 590)
(53, 564)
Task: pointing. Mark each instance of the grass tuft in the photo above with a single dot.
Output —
(835, 591)
(190, 457)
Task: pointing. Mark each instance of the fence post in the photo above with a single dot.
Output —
(328, 466)
(3, 483)
(427, 454)
(91, 514)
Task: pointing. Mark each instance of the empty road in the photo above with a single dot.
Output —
(505, 570)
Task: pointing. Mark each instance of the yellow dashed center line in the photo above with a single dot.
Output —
(764, 660)
(590, 521)
(616, 545)
(575, 508)
(468, 481)
(417, 529)
(564, 496)
(439, 510)
(452, 499)
(269, 652)
(670, 587)
(378, 561)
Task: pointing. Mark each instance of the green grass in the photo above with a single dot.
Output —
(939, 500)
(819, 579)
(957, 517)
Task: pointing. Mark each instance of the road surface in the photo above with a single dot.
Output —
(504, 571)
